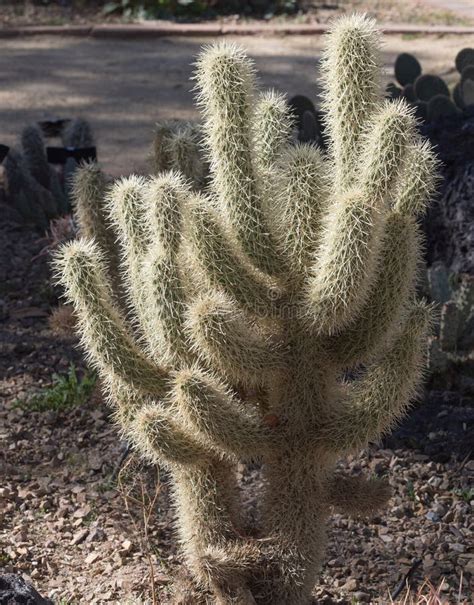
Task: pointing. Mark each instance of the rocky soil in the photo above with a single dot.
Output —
(84, 533)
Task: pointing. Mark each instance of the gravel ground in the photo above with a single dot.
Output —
(80, 534)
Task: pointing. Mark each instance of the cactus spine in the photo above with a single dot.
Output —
(245, 317)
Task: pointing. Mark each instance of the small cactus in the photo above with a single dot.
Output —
(299, 104)
(464, 58)
(407, 69)
(458, 95)
(310, 130)
(467, 92)
(34, 153)
(76, 134)
(248, 303)
(429, 86)
(177, 146)
(408, 93)
(23, 192)
(451, 351)
(441, 107)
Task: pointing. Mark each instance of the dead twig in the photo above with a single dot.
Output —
(405, 581)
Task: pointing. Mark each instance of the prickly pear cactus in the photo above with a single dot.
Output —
(451, 348)
(248, 304)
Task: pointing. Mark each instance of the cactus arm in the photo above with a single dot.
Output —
(204, 490)
(352, 232)
(127, 212)
(339, 282)
(418, 180)
(161, 437)
(163, 288)
(272, 129)
(224, 337)
(388, 297)
(88, 196)
(211, 410)
(385, 147)
(350, 77)
(205, 499)
(301, 193)
(184, 147)
(34, 153)
(160, 154)
(225, 83)
(357, 496)
(102, 331)
(220, 265)
(165, 306)
(399, 261)
(377, 401)
(164, 199)
(78, 133)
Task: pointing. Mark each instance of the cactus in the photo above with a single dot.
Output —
(310, 130)
(458, 96)
(88, 194)
(451, 348)
(428, 86)
(441, 107)
(393, 91)
(467, 92)
(298, 105)
(76, 134)
(464, 58)
(467, 73)
(249, 302)
(34, 154)
(407, 69)
(408, 93)
(36, 160)
(24, 193)
(177, 146)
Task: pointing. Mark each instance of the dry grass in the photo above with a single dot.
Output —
(62, 321)
(429, 594)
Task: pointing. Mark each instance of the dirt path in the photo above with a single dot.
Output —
(124, 86)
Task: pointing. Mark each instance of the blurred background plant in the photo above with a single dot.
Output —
(165, 9)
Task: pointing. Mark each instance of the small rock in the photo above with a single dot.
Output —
(126, 546)
(457, 547)
(79, 537)
(91, 558)
(350, 585)
(14, 589)
(95, 534)
(362, 597)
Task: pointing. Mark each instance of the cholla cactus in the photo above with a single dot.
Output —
(77, 134)
(248, 304)
(177, 146)
(36, 160)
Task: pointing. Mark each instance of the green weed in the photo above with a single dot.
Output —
(411, 490)
(65, 391)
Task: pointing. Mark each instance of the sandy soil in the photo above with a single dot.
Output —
(124, 86)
